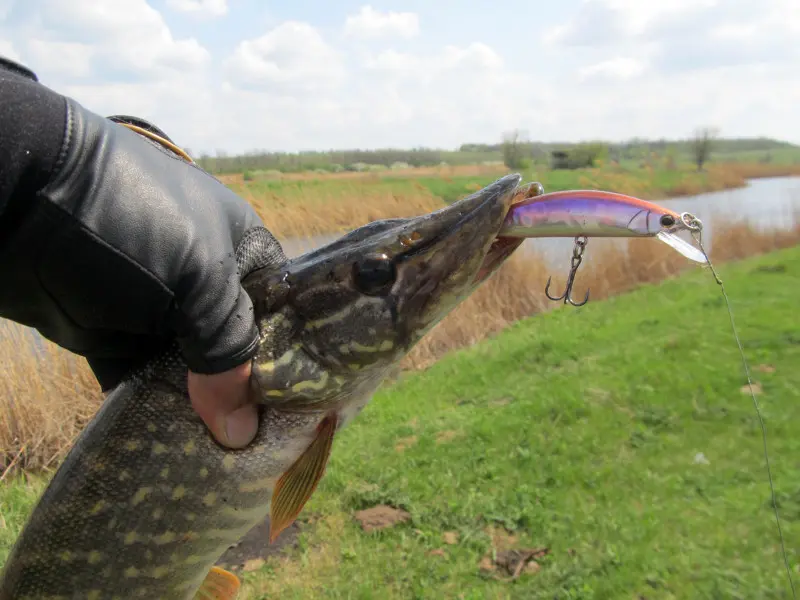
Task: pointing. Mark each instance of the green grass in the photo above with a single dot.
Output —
(576, 430)
(17, 497)
(775, 156)
(324, 188)
(656, 183)
(449, 189)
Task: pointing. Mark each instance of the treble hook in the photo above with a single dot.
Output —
(577, 258)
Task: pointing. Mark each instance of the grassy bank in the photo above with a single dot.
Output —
(616, 437)
(303, 205)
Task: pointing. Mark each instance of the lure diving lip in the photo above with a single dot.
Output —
(596, 213)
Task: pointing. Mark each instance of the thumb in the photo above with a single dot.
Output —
(224, 402)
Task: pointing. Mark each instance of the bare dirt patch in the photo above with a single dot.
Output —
(450, 537)
(745, 389)
(381, 517)
(446, 436)
(404, 443)
(510, 564)
(506, 562)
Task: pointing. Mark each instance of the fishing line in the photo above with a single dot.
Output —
(695, 228)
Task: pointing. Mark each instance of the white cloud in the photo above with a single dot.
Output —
(372, 24)
(474, 58)
(680, 35)
(202, 8)
(600, 22)
(185, 106)
(291, 58)
(128, 38)
(461, 92)
(619, 68)
(74, 59)
(7, 50)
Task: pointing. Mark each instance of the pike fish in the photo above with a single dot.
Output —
(146, 501)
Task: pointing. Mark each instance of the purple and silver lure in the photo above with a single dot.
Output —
(595, 213)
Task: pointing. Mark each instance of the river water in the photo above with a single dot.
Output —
(769, 203)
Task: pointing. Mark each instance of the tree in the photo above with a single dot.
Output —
(701, 145)
(514, 150)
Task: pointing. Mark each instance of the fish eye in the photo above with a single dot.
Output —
(374, 274)
(667, 220)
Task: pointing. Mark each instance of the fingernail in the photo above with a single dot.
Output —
(241, 426)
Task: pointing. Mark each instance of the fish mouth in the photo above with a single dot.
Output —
(476, 218)
(482, 212)
(502, 247)
(500, 250)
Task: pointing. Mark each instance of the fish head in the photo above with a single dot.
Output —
(335, 319)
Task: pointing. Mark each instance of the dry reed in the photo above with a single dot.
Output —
(47, 395)
(411, 172)
(311, 214)
(757, 170)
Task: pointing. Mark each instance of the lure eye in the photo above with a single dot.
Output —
(667, 220)
(374, 274)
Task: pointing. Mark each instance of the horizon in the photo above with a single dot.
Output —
(533, 142)
(241, 77)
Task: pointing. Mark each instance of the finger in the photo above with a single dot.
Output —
(224, 402)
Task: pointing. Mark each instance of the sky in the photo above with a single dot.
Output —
(239, 76)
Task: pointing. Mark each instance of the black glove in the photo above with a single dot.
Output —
(112, 246)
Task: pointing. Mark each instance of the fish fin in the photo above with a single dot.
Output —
(296, 485)
(219, 584)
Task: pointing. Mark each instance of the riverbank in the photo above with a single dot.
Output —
(615, 440)
(308, 205)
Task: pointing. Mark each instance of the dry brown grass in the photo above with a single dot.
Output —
(437, 171)
(756, 170)
(47, 395)
(337, 209)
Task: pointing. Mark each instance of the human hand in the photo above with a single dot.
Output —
(124, 248)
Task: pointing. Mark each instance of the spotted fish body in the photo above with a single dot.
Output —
(147, 501)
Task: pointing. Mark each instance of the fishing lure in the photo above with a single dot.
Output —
(594, 213)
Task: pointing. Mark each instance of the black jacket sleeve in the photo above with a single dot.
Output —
(111, 245)
(32, 123)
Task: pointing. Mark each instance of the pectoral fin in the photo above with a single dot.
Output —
(219, 584)
(296, 485)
